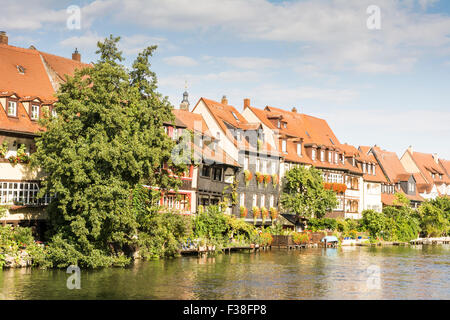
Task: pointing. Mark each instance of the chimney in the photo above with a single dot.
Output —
(410, 149)
(246, 103)
(76, 56)
(294, 109)
(224, 100)
(435, 157)
(3, 37)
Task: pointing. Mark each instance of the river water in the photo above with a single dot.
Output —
(342, 273)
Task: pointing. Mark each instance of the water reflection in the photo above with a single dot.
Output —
(332, 273)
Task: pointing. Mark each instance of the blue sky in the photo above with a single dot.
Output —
(388, 87)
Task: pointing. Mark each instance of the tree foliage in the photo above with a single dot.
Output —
(107, 138)
(304, 194)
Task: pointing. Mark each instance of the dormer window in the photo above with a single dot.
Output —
(285, 125)
(432, 175)
(364, 167)
(330, 156)
(373, 169)
(440, 176)
(354, 162)
(322, 155)
(299, 149)
(278, 124)
(313, 154)
(336, 158)
(34, 112)
(12, 108)
(343, 158)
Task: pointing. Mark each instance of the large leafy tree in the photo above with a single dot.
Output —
(107, 138)
(304, 195)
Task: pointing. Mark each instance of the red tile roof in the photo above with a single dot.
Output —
(427, 166)
(26, 73)
(33, 82)
(391, 165)
(226, 115)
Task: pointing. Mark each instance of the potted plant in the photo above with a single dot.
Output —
(3, 149)
(273, 213)
(267, 179)
(274, 179)
(264, 214)
(259, 177)
(256, 213)
(248, 177)
(243, 211)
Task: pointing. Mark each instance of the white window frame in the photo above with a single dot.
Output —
(34, 112)
(262, 200)
(330, 156)
(271, 201)
(255, 200)
(12, 105)
(245, 163)
(313, 154)
(284, 146)
(242, 199)
(322, 155)
(258, 165)
(299, 149)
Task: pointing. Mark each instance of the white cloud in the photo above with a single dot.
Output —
(85, 42)
(180, 61)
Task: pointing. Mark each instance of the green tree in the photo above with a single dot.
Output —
(434, 220)
(374, 222)
(401, 200)
(107, 138)
(304, 195)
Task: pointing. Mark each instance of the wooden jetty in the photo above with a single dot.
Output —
(430, 241)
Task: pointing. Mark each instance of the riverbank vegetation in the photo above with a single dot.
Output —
(394, 223)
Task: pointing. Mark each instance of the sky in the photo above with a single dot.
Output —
(379, 79)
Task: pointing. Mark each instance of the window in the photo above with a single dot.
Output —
(331, 140)
(432, 175)
(330, 156)
(411, 187)
(12, 108)
(200, 141)
(322, 155)
(206, 171)
(34, 111)
(364, 167)
(274, 167)
(264, 168)
(23, 193)
(175, 134)
(238, 135)
(373, 169)
(242, 199)
(313, 154)
(284, 125)
(245, 163)
(262, 200)
(271, 201)
(54, 115)
(235, 116)
(299, 149)
(254, 200)
(278, 124)
(440, 176)
(343, 159)
(217, 174)
(283, 146)
(258, 165)
(336, 158)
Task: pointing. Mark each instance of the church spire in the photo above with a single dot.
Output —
(185, 103)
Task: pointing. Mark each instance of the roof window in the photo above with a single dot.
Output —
(21, 69)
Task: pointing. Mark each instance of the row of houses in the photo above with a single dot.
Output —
(240, 157)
